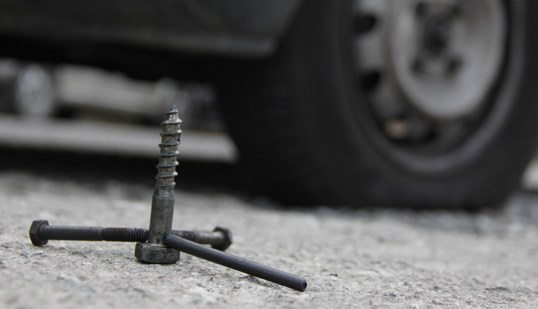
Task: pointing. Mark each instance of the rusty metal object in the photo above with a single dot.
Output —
(160, 244)
(162, 205)
(188, 241)
(41, 232)
(227, 241)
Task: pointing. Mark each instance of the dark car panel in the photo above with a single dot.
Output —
(234, 27)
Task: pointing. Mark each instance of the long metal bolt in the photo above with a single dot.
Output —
(162, 206)
(41, 232)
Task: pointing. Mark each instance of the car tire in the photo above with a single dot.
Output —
(308, 136)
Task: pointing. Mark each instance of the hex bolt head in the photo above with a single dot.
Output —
(156, 254)
(35, 232)
(227, 238)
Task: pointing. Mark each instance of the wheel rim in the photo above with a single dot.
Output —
(427, 67)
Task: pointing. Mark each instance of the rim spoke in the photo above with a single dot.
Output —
(369, 44)
(372, 48)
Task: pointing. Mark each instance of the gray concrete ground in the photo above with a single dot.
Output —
(352, 258)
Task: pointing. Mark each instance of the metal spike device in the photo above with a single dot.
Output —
(160, 244)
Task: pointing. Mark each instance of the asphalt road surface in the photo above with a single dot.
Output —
(351, 258)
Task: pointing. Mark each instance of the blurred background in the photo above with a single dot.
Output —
(416, 104)
(64, 111)
(89, 124)
(86, 109)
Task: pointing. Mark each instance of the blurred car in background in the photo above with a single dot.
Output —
(412, 103)
(44, 91)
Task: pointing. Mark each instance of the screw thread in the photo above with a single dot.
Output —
(170, 139)
(124, 234)
(162, 204)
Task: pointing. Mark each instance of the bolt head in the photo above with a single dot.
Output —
(156, 254)
(227, 238)
(35, 232)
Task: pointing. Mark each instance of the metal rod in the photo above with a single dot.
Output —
(93, 233)
(237, 263)
(41, 232)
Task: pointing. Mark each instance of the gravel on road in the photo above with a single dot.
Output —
(351, 258)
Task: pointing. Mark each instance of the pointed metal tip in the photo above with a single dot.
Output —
(172, 114)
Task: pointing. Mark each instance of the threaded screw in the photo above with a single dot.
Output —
(162, 206)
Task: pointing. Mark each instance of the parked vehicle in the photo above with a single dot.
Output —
(40, 92)
(413, 103)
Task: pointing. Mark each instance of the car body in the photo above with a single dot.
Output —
(84, 31)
